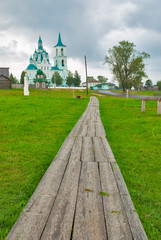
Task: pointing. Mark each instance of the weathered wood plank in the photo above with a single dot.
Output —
(133, 218)
(99, 151)
(34, 216)
(87, 150)
(65, 150)
(89, 219)
(76, 150)
(91, 131)
(75, 130)
(116, 221)
(83, 130)
(59, 224)
(100, 131)
(108, 151)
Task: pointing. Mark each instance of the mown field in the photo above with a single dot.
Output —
(141, 92)
(33, 128)
(135, 138)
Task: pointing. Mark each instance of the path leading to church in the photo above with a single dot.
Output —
(82, 195)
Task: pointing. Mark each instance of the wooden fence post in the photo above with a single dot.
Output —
(159, 106)
(143, 106)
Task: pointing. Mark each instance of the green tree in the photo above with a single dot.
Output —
(70, 79)
(77, 79)
(159, 85)
(13, 79)
(57, 79)
(22, 77)
(102, 79)
(126, 64)
(44, 75)
(148, 83)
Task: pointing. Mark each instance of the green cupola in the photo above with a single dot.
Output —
(59, 44)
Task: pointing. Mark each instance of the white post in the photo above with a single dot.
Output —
(127, 93)
(73, 93)
(26, 85)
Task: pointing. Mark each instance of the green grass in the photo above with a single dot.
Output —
(135, 140)
(32, 129)
(141, 92)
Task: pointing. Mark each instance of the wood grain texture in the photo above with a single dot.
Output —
(108, 152)
(99, 151)
(87, 150)
(116, 221)
(89, 220)
(59, 224)
(133, 218)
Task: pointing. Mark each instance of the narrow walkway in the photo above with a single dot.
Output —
(82, 195)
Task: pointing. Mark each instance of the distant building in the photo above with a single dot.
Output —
(40, 60)
(91, 83)
(40, 82)
(5, 82)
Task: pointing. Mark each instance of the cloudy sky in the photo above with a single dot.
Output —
(87, 27)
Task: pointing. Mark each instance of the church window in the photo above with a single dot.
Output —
(62, 63)
(37, 85)
(44, 67)
(41, 68)
(44, 61)
(56, 52)
(62, 51)
(47, 68)
(43, 85)
(56, 63)
(30, 74)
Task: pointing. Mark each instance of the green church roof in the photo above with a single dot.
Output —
(59, 44)
(39, 72)
(31, 67)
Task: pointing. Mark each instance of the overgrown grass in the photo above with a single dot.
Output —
(32, 129)
(135, 140)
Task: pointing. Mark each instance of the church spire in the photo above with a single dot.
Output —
(59, 44)
(40, 46)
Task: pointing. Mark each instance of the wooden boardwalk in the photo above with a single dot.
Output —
(69, 202)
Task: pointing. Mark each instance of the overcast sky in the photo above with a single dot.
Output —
(87, 27)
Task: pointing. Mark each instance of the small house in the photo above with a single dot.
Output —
(40, 82)
(5, 82)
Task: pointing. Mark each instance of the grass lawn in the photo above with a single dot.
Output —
(32, 129)
(141, 92)
(135, 138)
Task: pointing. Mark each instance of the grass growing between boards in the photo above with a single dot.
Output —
(32, 129)
(135, 140)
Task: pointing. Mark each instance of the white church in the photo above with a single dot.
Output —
(40, 60)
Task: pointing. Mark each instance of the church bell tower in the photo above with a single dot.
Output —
(60, 59)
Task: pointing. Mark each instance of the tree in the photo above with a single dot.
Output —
(126, 64)
(57, 79)
(13, 79)
(102, 79)
(22, 77)
(77, 79)
(148, 83)
(159, 85)
(70, 79)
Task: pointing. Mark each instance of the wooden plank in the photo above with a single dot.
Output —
(100, 131)
(99, 151)
(34, 216)
(158, 107)
(133, 218)
(116, 221)
(87, 150)
(89, 219)
(75, 130)
(91, 131)
(76, 150)
(143, 106)
(108, 151)
(66, 148)
(59, 224)
(83, 130)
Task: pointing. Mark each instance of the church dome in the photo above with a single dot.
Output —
(31, 67)
(39, 72)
